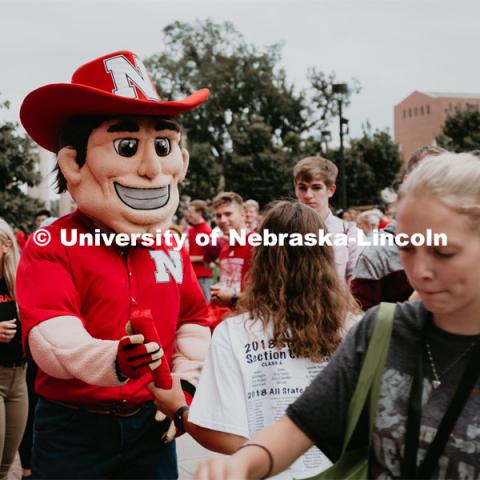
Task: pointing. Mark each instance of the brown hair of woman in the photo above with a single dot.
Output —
(297, 287)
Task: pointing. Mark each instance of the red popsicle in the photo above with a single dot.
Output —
(142, 322)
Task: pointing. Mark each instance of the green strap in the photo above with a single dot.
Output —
(370, 377)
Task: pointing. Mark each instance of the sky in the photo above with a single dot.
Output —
(392, 47)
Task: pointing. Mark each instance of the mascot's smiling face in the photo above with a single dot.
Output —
(129, 182)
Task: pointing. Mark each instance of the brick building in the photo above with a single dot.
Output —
(420, 117)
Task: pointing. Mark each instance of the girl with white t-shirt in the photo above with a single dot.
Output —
(293, 315)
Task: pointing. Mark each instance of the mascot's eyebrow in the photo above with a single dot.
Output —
(167, 125)
(132, 126)
(124, 126)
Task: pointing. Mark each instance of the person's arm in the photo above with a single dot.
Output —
(191, 347)
(196, 258)
(218, 418)
(62, 348)
(170, 401)
(192, 338)
(220, 442)
(283, 439)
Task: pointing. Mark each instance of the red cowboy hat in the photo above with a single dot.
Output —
(115, 84)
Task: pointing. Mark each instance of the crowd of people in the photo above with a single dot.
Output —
(432, 362)
(274, 336)
(257, 352)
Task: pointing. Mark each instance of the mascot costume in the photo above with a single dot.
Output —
(101, 319)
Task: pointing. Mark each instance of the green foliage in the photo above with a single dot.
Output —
(17, 167)
(253, 127)
(256, 124)
(372, 163)
(461, 131)
(251, 110)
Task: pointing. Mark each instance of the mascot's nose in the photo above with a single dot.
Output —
(151, 164)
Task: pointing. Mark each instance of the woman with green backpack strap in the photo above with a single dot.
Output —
(425, 421)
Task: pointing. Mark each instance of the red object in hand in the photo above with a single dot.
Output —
(142, 322)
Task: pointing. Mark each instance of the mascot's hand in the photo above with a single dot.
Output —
(135, 358)
(168, 401)
(169, 430)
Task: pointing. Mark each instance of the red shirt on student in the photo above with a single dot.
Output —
(201, 269)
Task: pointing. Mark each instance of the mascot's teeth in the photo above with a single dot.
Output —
(143, 198)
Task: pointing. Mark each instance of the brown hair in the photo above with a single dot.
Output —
(418, 155)
(227, 198)
(200, 206)
(315, 168)
(297, 287)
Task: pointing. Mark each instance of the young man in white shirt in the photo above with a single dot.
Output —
(314, 180)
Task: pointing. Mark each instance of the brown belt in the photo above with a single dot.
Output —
(119, 409)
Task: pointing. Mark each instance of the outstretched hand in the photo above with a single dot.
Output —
(168, 401)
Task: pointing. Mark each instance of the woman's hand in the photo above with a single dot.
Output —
(220, 468)
(8, 329)
(168, 401)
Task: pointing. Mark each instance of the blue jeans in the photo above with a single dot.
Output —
(205, 283)
(70, 443)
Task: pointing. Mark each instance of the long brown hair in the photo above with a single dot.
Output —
(297, 288)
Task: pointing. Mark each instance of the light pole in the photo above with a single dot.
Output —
(341, 89)
(325, 138)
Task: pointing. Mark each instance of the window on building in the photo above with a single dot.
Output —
(410, 112)
(421, 110)
(428, 109)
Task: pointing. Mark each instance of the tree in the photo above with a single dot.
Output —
(17, 168)
(322, 102)
(372, 164)
(461, 131)
(246, 87)
(248, 135)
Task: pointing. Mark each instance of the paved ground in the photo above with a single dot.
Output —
(189, 454)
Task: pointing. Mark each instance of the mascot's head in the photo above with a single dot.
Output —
(117, 144)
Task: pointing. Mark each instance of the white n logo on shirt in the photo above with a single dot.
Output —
(167, 265)
(125, 75)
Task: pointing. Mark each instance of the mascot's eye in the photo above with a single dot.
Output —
(126, 147)
(162, 146)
